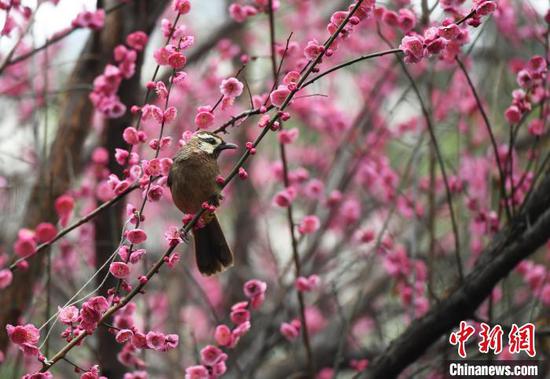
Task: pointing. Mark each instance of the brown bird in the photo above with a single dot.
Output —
(192, 180)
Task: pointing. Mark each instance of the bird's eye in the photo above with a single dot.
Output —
(210, 140)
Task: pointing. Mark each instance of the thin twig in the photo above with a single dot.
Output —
(491, 136)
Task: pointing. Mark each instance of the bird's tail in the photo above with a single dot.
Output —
(211, 250)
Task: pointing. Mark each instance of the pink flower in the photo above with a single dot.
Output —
(449, 32)
(326, 373)
(45, 232)
(413, 47)
(290, 330)
(536, 127)
(68, 315)
(25, 337)
(407, 20)
(155, 340)
(181, 6)
(136, 236)
(93, 20)
(241, 330)
(137, 40)
(307, 284)
(152, 167)
(152, 111)
(204, 119)
(123, 335)
(513, 114)
(359, 365)
(291, 78)
(22, 334)
(288, 136)
(139, 340)
(309, 224)
(132, 136)
(285, 197)
(239, 316)
(240, 13)
(177, 60)
(254, 287)
(121, 156)
(279, 96)
(38, 375)
(172, 235)
(136, 256)
(92, 374)
(25, 244)
(119, 270)
(196, 372)
(313, 49)
(211, 355)
(222, 335)
(6, 277)
(485, 8)
(170, 114)
(231, 88)
(172, 341)
(64, 205)
(136, 375)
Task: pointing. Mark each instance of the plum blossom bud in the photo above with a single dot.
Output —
(64, 205)
(119, 270)
(136, 236)
(45, 232)
(242, 173)
(309, 224)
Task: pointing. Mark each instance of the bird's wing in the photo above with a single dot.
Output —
(169, 181)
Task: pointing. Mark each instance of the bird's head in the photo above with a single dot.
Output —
(210, 143)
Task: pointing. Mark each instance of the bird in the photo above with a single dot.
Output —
(193, 181)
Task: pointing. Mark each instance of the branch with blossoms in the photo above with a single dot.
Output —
(96, 306)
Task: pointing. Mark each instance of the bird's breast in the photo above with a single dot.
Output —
(193, 181)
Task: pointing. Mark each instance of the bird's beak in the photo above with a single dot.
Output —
(226, 146)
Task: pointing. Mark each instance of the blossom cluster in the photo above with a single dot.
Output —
(213, 358)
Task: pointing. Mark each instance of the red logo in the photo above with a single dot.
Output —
(520, 339)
